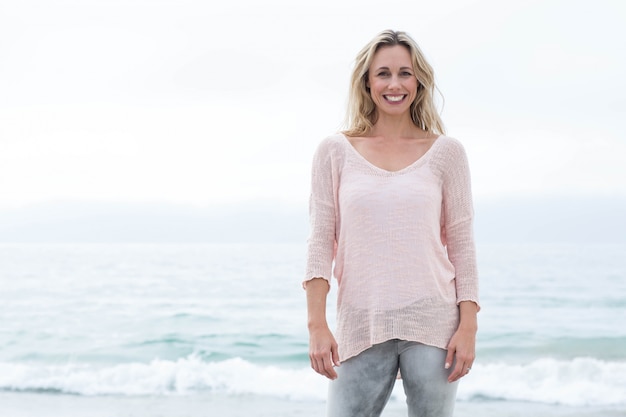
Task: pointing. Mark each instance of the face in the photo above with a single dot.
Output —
(392, 81)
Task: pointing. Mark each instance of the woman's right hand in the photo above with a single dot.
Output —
(323, 351)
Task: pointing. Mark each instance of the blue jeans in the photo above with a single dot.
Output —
(364, 383)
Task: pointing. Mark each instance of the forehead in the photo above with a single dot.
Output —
(392, 56)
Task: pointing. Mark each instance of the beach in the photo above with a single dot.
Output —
(194, 330)
(54, 405)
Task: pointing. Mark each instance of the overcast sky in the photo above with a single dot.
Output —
(200, 102)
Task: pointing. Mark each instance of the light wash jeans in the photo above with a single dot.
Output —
(364, 383)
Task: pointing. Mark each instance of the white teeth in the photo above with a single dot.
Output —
(394, 98)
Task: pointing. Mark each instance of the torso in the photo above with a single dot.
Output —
(392, 154)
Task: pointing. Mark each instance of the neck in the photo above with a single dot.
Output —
(396, 127)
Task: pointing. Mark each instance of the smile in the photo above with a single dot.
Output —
(394, 99)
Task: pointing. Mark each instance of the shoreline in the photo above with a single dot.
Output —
(29, 404)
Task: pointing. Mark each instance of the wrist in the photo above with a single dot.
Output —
(468, 320)
(317, 324)
(468, 326)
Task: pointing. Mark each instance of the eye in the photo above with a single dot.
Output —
(406, 74)
(383, 74)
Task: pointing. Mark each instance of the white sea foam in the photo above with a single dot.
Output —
(161, 377)
(580, 382)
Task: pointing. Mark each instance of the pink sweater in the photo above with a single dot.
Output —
(401, 242)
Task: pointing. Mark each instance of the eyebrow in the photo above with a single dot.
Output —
(387, 68)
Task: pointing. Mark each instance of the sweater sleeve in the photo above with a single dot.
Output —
(322, 210)
(458, 215)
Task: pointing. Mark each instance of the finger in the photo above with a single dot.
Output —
(458, 372)
(325, 368)
(330, 370)
(317, 364)
(319, 367)
(449, 358)
(335, 354)
(314, 365)
(323, 365)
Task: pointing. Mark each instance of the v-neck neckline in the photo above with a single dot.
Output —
(419, 161)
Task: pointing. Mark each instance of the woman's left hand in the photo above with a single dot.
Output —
(462, 345)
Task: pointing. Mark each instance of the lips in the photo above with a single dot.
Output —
(394, 98)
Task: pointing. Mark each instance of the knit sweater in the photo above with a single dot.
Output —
(401, 243)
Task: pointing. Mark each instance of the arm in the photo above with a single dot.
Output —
(462, 345)
(320, 255)
(458, 223)
(322, 345)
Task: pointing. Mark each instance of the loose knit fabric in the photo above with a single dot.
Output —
(400, 244)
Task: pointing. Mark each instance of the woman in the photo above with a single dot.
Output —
(391, 206)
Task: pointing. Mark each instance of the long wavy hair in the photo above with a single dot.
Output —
(361, 113)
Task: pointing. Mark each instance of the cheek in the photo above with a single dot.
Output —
(376, 87)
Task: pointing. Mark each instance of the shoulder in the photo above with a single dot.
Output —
(449, 149)
(331, 146)
(449, 156)
(450, 144)
(335, 140)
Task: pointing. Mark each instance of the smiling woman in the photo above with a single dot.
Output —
(415, 74)
(392, 90)
(391, 208)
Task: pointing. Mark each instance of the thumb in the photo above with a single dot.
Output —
(449, 357)
(335, 354)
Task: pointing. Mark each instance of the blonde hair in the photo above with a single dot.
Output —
(361, 114)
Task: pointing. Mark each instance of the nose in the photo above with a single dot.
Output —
(394, 82)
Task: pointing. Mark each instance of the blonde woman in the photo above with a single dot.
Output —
(391, 217)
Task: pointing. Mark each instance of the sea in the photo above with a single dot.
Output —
(220, 330)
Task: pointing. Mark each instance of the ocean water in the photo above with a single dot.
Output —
(227, 322)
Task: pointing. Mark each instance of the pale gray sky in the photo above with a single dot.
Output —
(191, 102)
